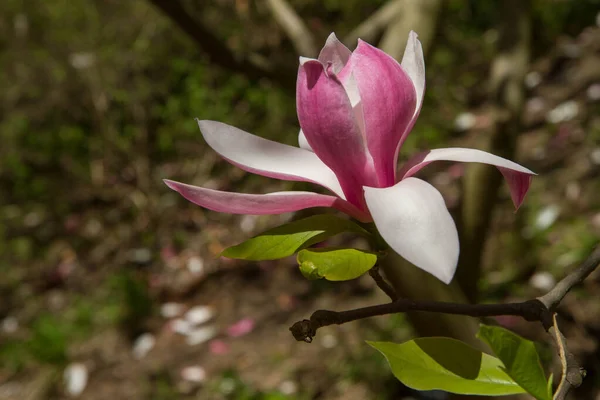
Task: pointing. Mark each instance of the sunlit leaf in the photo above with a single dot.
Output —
(439, 363)
(520, 359)
(335, 264)
(288, 239)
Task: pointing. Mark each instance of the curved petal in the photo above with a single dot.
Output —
(328, 123)
(261, 204)
(388, 101)
(334, 52)
(517, 176)
(413, 219)
(413, 63)
(303, 143)
(267, 158)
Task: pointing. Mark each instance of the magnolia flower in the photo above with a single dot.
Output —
(355, 111)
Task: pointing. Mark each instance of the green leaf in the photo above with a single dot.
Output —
(287, 239)
(549, 385)
(335, 264)
(520, 359)
(439, 363)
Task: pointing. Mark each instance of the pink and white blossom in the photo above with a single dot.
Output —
(355, 111)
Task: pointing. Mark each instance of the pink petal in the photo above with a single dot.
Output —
(517, 176)
(218, 347)
(334, 52)
(413, 63)
(267, 158)
(388, 103)
(241, 328)
(261, 204)
(327, 120)
(518, 183)
(413, 219)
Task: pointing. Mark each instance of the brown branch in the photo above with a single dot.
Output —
(531, 310)
(555, 296)
(217, 51)
(540, 309)
(383, 285)
(296, 30)
(572, 373)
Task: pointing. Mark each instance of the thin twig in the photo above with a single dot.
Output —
(383, 285)
(531, 310)
(572, 373)
(555, 296)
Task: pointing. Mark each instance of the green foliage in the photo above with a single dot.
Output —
(520, 359)
(136, 302)
(49, 340)
(14, 354)
(335, 264)
(287, 239)
(447, 364)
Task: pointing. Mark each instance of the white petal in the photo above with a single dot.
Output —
(517, 176)
(302, 142)
(413, 64)
(460, 154)
(413, 219)
(265, 157)
(334, 52)
(351, 89)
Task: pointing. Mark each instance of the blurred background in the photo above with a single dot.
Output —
(110, 283)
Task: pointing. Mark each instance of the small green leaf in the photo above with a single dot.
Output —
(439, 363)
(520, 359)
(335, 264)
(287, 239)
(310, 270)
(549, 385)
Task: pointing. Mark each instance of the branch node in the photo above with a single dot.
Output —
(535, 310)
(383, 285)
(303, 331)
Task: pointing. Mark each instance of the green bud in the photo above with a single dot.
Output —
(310, 270)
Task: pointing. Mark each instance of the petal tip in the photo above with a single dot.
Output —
(446, 275)
(331, 38)
(308, 60)
(206, 124)
(171, 184)
(362, 43)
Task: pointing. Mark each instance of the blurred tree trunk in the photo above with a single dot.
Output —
(507, 96)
